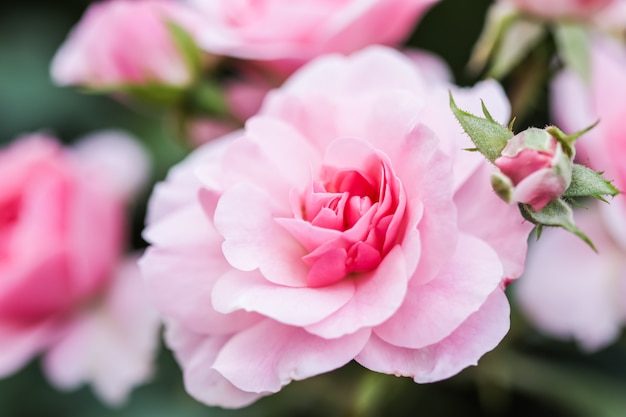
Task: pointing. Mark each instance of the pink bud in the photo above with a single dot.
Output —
(121, 42)
(533, 168)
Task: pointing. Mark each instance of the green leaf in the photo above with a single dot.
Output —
(209, 99)
(556, 213)
(519, 39)
(573, 45)
(489, 136)
(588, 183)
(188, 48)
(152, 92)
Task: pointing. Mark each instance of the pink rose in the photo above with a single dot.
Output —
(571, 292)
(291, 33)
(561, 8)
(122, 42)
(533, 169)
(61, 239)
(344, 222)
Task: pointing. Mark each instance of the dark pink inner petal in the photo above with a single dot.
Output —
(348, 219)
(523, 164)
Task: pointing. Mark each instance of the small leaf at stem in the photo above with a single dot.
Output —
(556, 213)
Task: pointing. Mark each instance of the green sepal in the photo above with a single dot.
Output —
(568, 142)
(152, 92)
(489, 136)
(589, 183)
(556, 213)
(208, 98)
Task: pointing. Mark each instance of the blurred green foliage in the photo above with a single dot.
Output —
(527, 375)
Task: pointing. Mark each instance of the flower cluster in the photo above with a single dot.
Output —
(339, 198)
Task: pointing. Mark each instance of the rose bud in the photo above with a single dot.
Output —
(122, 43)
(533, 169)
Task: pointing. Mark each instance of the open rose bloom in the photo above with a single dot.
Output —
(344, 222)
(66, 290)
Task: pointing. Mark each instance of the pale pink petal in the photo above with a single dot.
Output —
(432, 311)
(377, 295)
(270, 355)
(434, 70)
(171, 277)
(488, 219)
(21, 343)
(185, 179)
(110, 346)
(570, 291)
(479, 333)
(273, 155)
(196, 354)
(337, 74)
(185, 265)
(250, 291)
(253, 239)
(430, 196)
(119, 155)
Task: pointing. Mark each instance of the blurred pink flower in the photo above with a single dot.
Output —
(582, 9)
(287, 33)
(61, 239)
(572, 292)
(124, 42)
(577, 105)
(568, 290)
(533, 169)
(344, 222)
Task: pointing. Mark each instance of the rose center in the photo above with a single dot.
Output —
(351, 216)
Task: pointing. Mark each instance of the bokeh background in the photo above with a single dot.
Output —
(528, 374)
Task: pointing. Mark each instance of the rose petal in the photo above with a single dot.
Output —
(481, 332)
(377, 295)
(196, 354)
(253, 239)
(488, 219)
(290, 305)
(20, 343)
(270, 355)
(432, 311)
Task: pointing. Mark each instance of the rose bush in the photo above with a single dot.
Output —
(126, 42)
(61, 241)
(344, 222)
